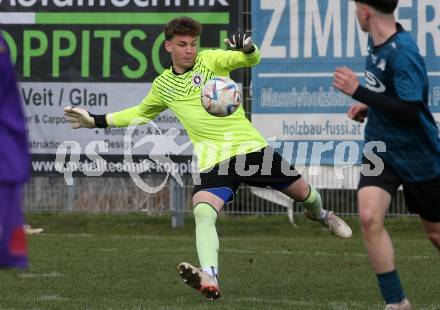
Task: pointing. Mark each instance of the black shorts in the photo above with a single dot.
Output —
(264, 168)
(422, 198)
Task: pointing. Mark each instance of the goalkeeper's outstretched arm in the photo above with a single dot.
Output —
(81, 118)
(142, 113)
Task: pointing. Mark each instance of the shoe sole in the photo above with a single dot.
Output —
(193, 279)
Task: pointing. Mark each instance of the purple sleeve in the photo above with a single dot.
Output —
(14, 152)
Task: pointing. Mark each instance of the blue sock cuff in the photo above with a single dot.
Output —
(390, 287)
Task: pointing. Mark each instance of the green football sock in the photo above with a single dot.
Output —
(206, 235)
(313, 203)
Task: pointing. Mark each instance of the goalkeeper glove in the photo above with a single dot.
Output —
(240, 42)
(80, 118)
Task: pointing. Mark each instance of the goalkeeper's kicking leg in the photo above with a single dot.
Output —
(204, 279)
(285, 178)
(313, 209)
(216, 189)
(207, 204)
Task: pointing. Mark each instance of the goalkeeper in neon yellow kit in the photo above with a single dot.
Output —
(178, 89)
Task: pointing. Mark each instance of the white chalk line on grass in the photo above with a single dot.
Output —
(293, 252)
(117, 237)
(146, 237)
(284, 252)
(52, 274)
(52, 298)
(107, 249)
(230, 250)
(49, 235)
(314, 253)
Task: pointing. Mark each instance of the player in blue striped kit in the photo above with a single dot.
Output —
(395, 101)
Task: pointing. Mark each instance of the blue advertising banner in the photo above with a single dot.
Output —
(302, 42)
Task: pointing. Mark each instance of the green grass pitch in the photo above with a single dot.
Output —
(128, 261)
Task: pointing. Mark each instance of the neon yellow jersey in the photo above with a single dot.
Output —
(215, 139)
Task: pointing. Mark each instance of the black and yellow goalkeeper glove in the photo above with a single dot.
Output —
(240, 42)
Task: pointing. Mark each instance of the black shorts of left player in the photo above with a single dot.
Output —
(263, 168)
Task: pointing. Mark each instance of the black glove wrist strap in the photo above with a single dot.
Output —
(100, 121)
(251, 50)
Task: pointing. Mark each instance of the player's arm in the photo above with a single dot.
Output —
(396, 108)
(243, 53)
(147, 110)
(399, 109)
(143, 113)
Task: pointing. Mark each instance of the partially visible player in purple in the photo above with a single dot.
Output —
(14, 166)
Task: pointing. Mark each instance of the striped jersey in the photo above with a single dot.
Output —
(215, 139)
(396, 69)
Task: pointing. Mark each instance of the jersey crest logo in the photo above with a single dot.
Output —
(197, 79)
(382, 64)
(373, 83)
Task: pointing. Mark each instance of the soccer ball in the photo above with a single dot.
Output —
(220, 96)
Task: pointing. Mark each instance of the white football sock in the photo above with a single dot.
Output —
(212, 271)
